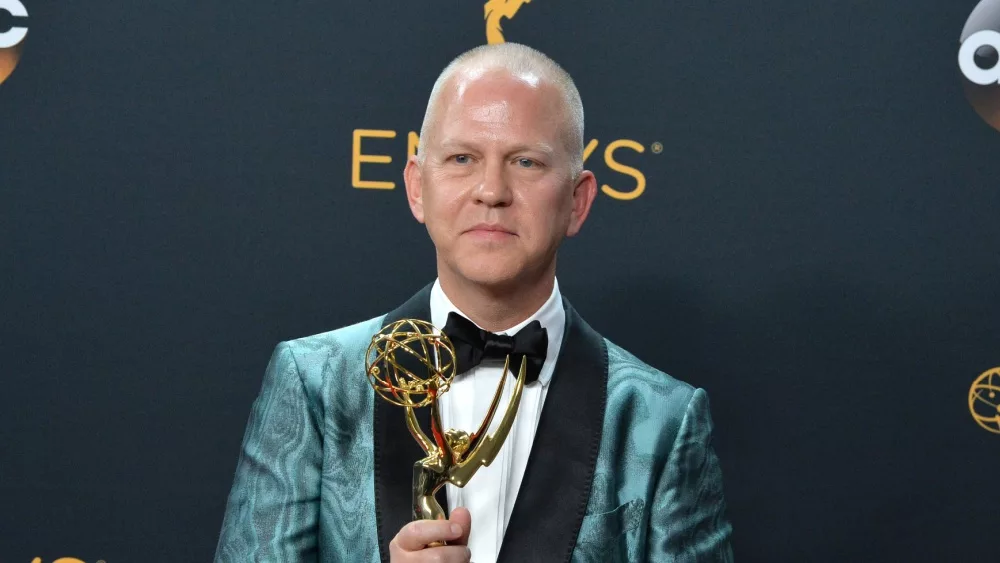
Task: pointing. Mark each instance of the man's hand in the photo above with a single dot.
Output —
(410, 544)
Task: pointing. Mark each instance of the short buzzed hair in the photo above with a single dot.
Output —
(517, 59)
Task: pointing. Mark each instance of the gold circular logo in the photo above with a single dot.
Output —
(984, 400)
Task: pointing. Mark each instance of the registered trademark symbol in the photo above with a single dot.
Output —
(656, 147)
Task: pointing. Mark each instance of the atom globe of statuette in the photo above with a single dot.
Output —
(410, 363)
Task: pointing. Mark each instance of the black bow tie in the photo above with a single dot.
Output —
(472, 345)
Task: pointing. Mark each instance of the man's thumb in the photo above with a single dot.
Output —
(462, 517)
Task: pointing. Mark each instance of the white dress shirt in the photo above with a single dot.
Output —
(491, 493)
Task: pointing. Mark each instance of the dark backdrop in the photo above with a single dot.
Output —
(815, 243)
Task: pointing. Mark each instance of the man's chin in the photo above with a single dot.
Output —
(494, 281)
(491, 275)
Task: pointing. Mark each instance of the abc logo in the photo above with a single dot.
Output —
(13, 17)
(979, 60)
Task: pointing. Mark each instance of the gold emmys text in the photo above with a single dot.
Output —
(363, 153)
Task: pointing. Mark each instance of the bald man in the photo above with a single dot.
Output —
(608, 459)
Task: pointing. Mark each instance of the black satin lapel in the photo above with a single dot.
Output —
(395, 451)
(553, 496)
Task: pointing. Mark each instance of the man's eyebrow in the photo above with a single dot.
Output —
(544, 148)
(455, 144)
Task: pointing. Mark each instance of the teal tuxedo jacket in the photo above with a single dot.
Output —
(621, 469)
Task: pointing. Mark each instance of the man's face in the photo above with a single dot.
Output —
(496, 190)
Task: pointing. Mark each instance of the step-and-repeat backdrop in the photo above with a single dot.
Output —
(799, 211)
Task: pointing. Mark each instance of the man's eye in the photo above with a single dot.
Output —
(526, 163)
(461, 159)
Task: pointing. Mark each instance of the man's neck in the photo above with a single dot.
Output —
(497, 308)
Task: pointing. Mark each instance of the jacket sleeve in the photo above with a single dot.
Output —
(688, 523)
(273, 509)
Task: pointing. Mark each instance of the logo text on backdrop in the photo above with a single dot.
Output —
(979, 60)
(13, 30)
(630, 186)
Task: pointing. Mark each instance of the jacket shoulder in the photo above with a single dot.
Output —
(624, 368)
(351, 336)
(318, 355)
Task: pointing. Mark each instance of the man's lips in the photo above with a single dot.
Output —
(485, 231)
(485, 228)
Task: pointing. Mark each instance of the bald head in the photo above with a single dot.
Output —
(521, 63)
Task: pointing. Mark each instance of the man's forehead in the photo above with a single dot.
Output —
(498, 122)
(496, 92)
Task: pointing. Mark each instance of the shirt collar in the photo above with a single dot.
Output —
(551, 315)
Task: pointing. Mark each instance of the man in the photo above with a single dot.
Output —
(608, 460)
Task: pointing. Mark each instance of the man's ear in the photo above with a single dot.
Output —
(414, 188)
(584, 193)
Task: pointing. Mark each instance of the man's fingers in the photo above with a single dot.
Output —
(418, 534)
(463, 518)
(446, 554)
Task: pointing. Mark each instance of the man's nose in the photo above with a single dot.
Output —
(493, 189)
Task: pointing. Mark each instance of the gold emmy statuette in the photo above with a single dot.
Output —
(410, 363)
